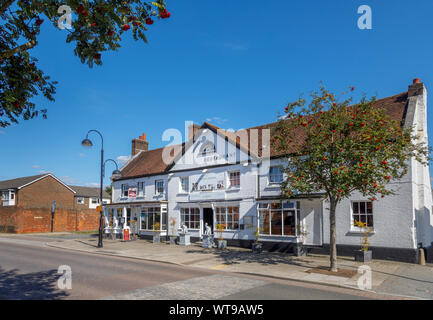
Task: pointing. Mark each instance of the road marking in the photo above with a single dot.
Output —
(220, 266)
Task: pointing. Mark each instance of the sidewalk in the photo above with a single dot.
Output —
(387, 277)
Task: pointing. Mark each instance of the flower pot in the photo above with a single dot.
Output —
(173, 239)
(156, 237)
(257, 247)
(363, 256)
(222, 244)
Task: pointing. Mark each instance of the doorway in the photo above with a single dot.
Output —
(208, 218)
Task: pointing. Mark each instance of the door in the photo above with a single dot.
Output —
(208, 218)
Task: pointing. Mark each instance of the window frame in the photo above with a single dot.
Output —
(181, 184)
(226, 216)
(147, 211)
(82, 199)
(156, 187)
(124, 188)
(270, 182)
(190, 222)
(231, 186)
(354, 228)
(142, 193)
(294, 206)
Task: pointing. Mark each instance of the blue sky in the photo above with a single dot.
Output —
(234, 63)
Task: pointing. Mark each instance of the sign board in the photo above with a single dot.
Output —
(99, 208)
(125, 234)
(132, 193)
(209, 182)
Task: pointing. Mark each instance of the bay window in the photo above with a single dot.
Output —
(279, 218)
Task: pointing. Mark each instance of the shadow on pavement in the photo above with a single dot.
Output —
(30, 286)
(236, 257)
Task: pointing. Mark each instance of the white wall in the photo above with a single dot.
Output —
(149, 189)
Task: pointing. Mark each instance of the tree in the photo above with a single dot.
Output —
(337, 148)
(96, 27)
(109, 190)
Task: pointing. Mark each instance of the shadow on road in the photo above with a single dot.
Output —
(30, 286)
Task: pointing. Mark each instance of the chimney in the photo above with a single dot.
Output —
(416, 88)
(139, 144)
(192, 129)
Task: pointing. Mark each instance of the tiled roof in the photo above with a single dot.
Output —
(151, 163)
(89, 192)
(145, 163)
(19, 182)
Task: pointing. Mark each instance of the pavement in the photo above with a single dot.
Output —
(388, 277)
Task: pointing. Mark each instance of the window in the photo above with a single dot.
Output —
(124, 190)
(275, 174)
(12, 195)
(207, 150)
(184, 184)
(5, 195)
(95, 201)
(235, 179)
(362, 211)
(228, 216)
(159, 186)
(80, 200)
(279, 218)
(140, 188)
(190, 217)
(150, 216)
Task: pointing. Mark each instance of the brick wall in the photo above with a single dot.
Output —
(42, 193)
(27, 220)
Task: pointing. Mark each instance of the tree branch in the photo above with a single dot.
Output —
(5, 4)
(20, 48)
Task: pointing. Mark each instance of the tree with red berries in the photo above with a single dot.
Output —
(336, 147)
(96, 27)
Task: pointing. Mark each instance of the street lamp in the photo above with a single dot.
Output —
(116, 173)
(87, 143)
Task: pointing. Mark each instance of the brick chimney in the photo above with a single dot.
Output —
(139, 144)
(192, 129)
(416, 88)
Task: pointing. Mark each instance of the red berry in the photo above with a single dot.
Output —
(84, 13)
(93, 24)
(39, 22)
(80, 8)
(110, 33)
(97, 56)
(384, 162)
(126, 27)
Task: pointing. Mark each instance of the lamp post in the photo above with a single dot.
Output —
(87, 143)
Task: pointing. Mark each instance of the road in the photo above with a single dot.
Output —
(29, 270)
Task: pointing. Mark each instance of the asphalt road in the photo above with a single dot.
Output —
(29, 270)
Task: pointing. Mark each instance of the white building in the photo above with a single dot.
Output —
(234, 179)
